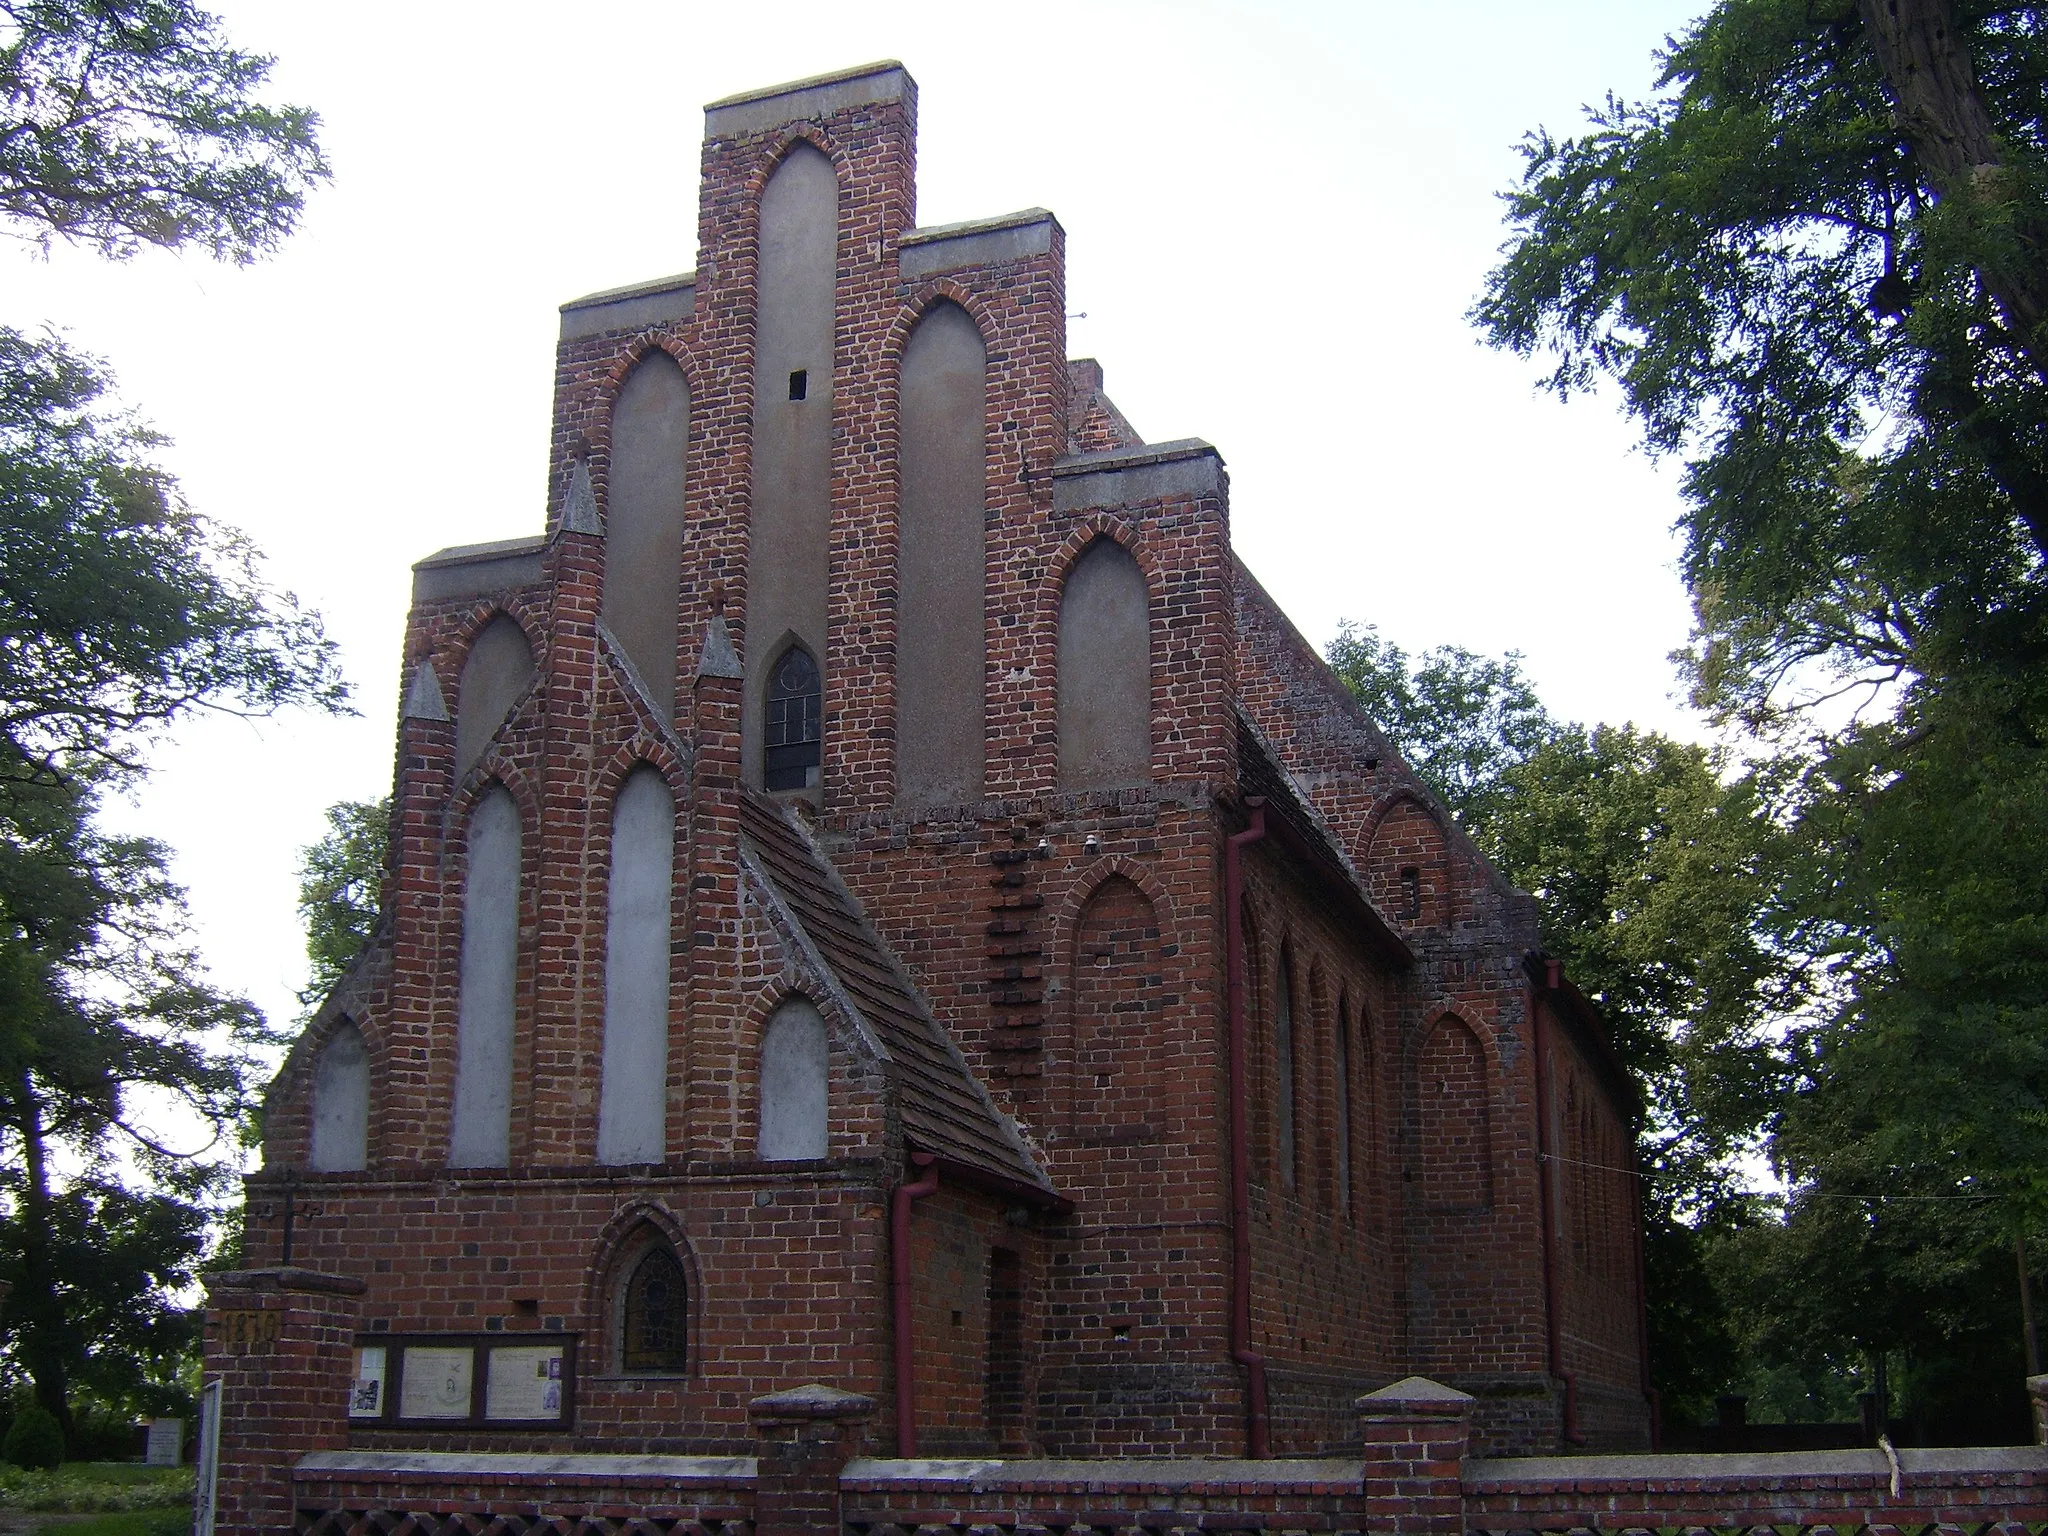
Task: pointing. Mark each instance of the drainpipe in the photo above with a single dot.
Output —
(1241, 1349)
(1545, 1200)
(1650, 1393)
(899, 1286)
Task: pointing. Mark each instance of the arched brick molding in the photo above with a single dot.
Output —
(619, 1248)
(1453, 1096)
(499, 670)
(1114, 1026)
(1405, 857)
(338, 1128)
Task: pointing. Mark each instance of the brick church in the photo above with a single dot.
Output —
(879, 896)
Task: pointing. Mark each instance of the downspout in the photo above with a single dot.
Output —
(899, 1286)
(1241, 1349)
(1650, 1393)
(1545, 1202)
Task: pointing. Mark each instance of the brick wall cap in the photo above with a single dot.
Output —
(2037, 1386)
(812, 1401)
(1762, 1469)
(809, 82)
(815, 99)
(1110, 1474)
(496, 549)
(1416, 1394)
(283, 1279)
(564, 1466)
(1128, 458)
(1018, 220)
(642, 289)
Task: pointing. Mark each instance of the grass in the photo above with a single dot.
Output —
(98, 1488)
(134, 1522)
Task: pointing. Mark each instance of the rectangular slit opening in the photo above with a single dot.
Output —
(799, 383)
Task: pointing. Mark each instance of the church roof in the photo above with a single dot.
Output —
(945, 1109)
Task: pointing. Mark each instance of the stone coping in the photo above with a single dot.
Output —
(815, 99)
(478, 1466)
(1022, 218)
(1132, 458)
(283, 1278)
(496, 549)
(1764, 1468)
(1109, 1475)
(637, 290)
(791, 87)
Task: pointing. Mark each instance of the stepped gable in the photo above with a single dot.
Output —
(1095, 425)
(945, 1110)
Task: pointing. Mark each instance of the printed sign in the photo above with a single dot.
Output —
(436, 1383)
(366, 1398)
(524, 1383)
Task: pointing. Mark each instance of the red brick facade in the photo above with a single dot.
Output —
(1028, 988)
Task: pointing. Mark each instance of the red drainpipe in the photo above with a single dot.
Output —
(899, 1286)
(1240, 1160)
(1544, 1202)
(1650, 1393)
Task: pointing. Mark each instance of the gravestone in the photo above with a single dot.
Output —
(165, 1446)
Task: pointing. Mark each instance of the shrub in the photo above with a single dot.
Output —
(35, 1440)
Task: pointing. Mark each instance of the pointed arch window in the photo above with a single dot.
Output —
(655, 1330)
(794, 733)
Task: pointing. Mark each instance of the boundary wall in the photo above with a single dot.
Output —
(810, 1474)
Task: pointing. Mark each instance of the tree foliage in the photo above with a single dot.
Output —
(120, 609)
(1769, 271)
(341, 885)
(132, 123)
(1459, 718)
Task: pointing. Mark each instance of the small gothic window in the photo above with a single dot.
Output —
(654, 1334)
(794, 729)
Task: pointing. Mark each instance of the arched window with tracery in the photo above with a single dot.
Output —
(654, 1319)
(793, 732)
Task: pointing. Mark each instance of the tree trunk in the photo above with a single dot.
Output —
(36, 1310)
(1927, 69)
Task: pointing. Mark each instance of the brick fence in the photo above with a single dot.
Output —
(279, 1342)
(1411, 1479)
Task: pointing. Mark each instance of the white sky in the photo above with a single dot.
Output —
(1276, 217)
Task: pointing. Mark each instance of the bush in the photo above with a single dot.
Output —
(95, 1488)
(35, 1440)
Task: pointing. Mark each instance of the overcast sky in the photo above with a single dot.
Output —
(1276, 218)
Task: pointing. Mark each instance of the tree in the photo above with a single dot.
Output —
(106, 1019)
(123, 124)
(1794, 298)
(1813, 267)
(341, 887)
